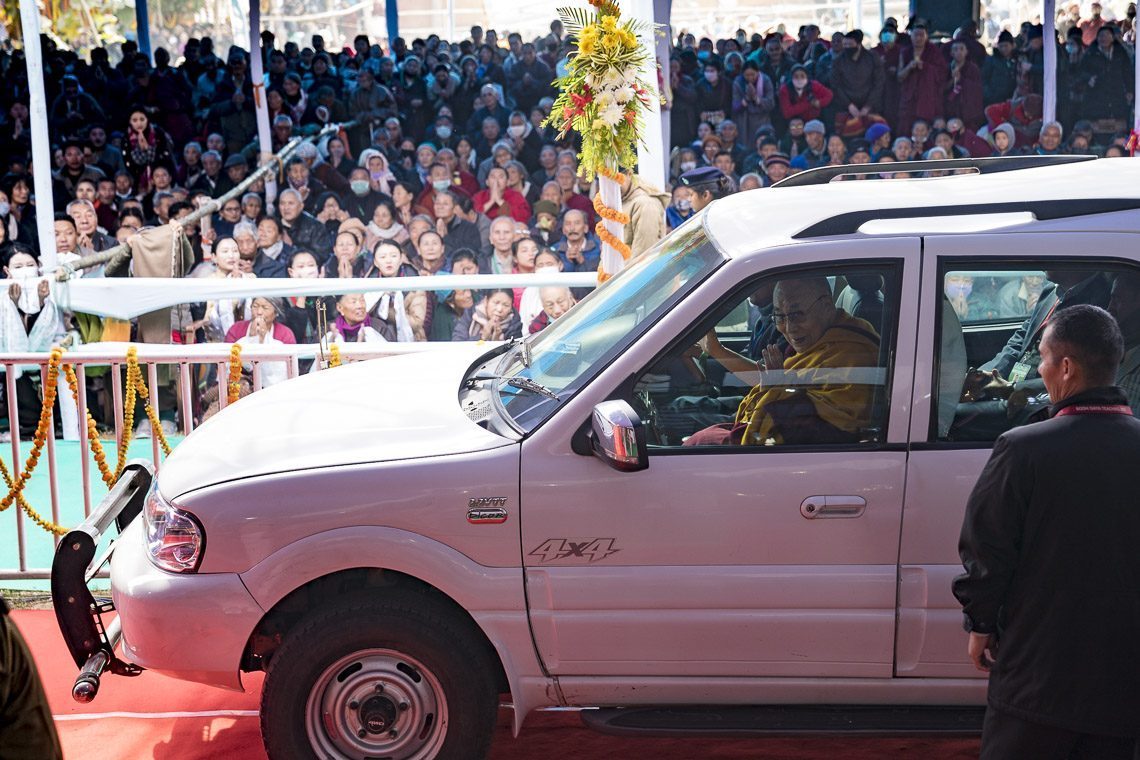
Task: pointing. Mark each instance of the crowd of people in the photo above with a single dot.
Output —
(445, 163)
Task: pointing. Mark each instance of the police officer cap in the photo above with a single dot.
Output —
(704, 175)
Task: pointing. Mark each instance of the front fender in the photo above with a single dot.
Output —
(493, 596)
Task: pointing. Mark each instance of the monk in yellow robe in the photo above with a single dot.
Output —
(821, 388)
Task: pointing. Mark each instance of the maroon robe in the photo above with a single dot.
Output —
(920, 95)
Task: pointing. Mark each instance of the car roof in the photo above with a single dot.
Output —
(748, 222)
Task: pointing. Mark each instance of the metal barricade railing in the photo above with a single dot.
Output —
(184, 360)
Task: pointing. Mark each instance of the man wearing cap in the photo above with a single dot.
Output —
(816, 153)
(1049, 548)
(237, 169)
(707, 183)
(856, 83)
(776, 167)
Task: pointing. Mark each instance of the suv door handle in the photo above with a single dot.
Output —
(832, 506)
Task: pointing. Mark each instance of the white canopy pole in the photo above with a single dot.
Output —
(651, 153)
(260, 104)
(1049, 38)
(41, 145)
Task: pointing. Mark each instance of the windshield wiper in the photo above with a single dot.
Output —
(522, 383)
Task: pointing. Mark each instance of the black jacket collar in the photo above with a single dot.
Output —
(1108, 395)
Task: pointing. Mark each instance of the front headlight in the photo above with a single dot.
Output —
(174, 539)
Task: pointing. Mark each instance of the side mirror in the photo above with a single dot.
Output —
(617, 437)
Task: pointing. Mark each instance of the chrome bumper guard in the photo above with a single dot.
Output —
(90, 637)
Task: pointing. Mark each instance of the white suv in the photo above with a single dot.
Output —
(399, 542)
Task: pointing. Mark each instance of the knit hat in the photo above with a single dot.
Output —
(815, 125)
(875, 131)
(545, 207)
(777, 158)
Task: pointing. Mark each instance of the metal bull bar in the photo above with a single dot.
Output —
(90, 638)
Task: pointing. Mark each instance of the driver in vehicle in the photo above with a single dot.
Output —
(810, 392)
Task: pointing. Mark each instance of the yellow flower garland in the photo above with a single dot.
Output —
(233, 388)
(334, 356)
(16, 487)
(135, 386)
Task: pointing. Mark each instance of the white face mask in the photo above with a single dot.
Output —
(516, 131)
(443, 131)
(687, 166)
(546, 268)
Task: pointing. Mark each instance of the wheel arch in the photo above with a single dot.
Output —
(309, 572)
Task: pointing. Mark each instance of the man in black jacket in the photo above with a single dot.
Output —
(1049, 546)
(301, 229)
(26, 728)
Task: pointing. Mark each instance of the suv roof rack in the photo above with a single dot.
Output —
(822, 175)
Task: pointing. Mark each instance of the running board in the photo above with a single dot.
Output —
(787, 720)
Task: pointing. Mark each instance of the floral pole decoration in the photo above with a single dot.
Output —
(604, 98)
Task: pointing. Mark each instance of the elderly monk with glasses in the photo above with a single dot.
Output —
(812, 391)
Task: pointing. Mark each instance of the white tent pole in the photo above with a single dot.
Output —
(260, 104)
(450, 20)
(651, 153)
(1049, 22)
(41, 145)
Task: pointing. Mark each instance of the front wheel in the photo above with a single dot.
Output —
(396, 676)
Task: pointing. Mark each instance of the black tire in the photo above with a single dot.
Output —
(365, 637)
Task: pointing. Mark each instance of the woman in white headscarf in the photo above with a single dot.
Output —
(32, 322)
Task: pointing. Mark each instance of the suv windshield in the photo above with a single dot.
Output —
(565, 355)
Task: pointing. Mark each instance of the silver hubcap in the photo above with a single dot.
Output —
(376, 703)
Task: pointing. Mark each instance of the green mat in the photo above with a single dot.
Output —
(39, 544)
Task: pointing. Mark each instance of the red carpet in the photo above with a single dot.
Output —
(101, 731)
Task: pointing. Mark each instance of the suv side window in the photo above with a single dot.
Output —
(989, 331)
(796, 358)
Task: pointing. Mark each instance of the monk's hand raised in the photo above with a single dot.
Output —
(773, 357)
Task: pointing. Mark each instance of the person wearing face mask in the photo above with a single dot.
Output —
(681, 208)
(546, 228)
(30, 320)
(361, 199)
(857, 84)
(523, 139)
(442, 133)
(887, 51)
(714, 93)
(803, 97)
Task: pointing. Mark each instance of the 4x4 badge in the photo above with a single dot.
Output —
(589, 549)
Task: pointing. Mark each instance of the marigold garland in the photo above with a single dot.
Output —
(613, 241)
(609, 173)
(606, 212)
(135, 386)
(334, 356)
(16, 487)
(233, 388)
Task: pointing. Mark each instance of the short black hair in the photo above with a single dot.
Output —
(62, 217)
(1092, 339)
